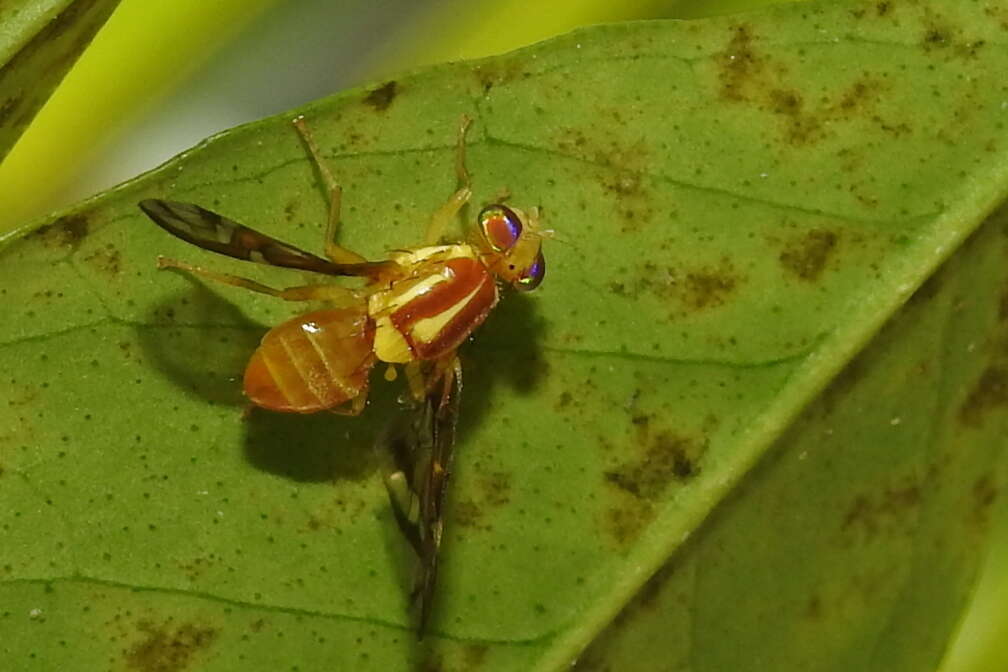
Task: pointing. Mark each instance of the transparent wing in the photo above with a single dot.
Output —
(423, 457)
(217, 233)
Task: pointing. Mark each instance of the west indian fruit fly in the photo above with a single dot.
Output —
(414, 310)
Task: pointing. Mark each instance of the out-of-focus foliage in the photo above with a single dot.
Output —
(39, 41)
(145, 49)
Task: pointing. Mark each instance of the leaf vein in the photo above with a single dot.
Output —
(270, 608)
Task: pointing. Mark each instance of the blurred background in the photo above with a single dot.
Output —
(160, 77)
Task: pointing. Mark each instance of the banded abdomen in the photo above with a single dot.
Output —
(430, 312)
(313, 362)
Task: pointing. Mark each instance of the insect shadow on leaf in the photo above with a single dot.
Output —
(320, 447)
(200, 342)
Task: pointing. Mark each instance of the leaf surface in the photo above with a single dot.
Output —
(744, 204)
(39, 41)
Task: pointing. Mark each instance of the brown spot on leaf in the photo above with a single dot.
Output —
(494, 491)
(989, 392)
(696, 289)
(807, 256)
(746, 76)
(667, 458)
(467, 513)
(626, 187)
(935, 37)
(708, 288)
(563, 401)
(622, 183)
(997, 15)
(943, 37)
(164, 649)
(786, 102)
(195, 568)
(107, 260)
(739, 64)
(67, 231)
(664, 458)
(801, 127)
(495, 488)
(381, 98)
(603, 146)
(498, 73)
(858, 96)
(626, 521)
(874, 512)
(970, 49)
(572, 141)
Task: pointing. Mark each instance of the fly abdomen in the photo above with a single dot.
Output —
(312, 362)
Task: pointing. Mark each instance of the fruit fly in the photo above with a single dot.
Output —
(415, 309)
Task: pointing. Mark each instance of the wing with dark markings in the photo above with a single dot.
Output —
(423, 456)
(217, 233)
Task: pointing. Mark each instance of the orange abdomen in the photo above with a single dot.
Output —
(313, 362)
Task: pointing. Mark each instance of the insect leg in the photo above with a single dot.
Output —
(453, 379)
(423, 382)
(443, 216)
(355, 407)
(461, 172)
(333, 250)
(415, 380)
(331, 293)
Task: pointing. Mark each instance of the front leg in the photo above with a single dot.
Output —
(443, 216)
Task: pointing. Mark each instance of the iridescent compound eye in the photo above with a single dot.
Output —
(500, 226)
(533, 275)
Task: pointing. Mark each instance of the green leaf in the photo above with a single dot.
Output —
(732, 380)
(39, 41)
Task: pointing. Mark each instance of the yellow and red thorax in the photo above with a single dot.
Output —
(445, 292)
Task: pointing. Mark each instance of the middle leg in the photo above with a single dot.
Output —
(333, 250)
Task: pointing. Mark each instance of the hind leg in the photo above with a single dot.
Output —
(330, 293)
